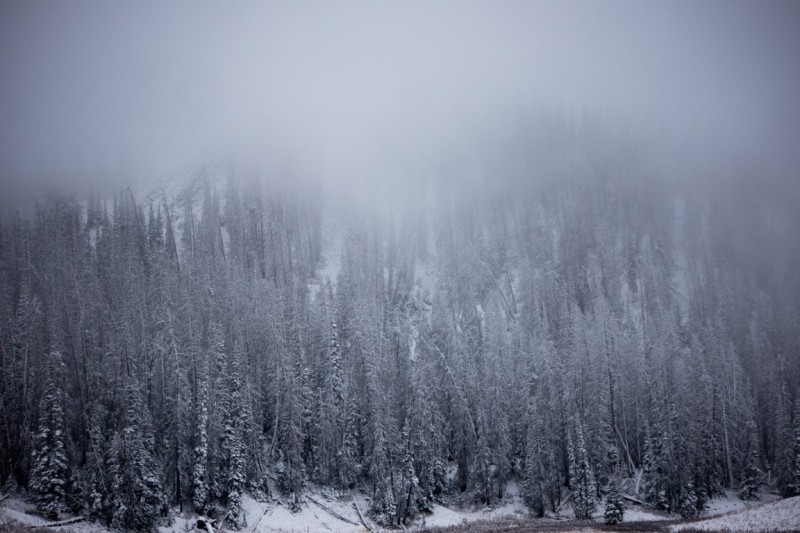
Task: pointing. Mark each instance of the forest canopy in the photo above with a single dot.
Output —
(562, 312)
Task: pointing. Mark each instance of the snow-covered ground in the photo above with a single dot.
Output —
(24, 513)
(782, 515)
(320, 507)
(511, 507)
(637, 514)
(317, 513)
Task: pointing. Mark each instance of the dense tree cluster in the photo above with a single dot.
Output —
(565, 319)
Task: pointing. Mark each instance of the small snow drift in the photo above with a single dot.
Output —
(783, 515)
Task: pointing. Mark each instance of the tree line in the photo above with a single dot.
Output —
(566, 318)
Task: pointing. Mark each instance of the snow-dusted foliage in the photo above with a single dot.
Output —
(562, 318)
(136, 496)
(581, 477)
(49, 460)
(614, 512)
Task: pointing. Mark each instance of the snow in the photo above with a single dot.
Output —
(268, 517)
(721, 505)
(24, 513)
(782, 515)
(637, 514)
(727, 513)
(271, 517)
(511, 507)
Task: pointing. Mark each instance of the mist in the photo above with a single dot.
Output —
(95, 92)
(348, 266)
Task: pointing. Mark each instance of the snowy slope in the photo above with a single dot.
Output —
(782, 515)
(24, 513)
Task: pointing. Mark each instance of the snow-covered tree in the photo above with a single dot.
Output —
(688, 501)
(794, 484)
(137, 498)
(49, 462)
(582, 483)
(614, 509)
(236, 417)
(200, 483)
(751, 475)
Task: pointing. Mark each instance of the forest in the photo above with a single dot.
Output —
(563, 310)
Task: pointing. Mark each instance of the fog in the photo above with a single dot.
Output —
(430, 258)
(95, 92)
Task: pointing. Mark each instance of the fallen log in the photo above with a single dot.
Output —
(631, 498)
(558, 509)
(259, 519)
(330, 511)
(360, 516)
(60, 522)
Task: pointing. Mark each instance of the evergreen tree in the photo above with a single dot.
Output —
(688, 501)
(235, 417)
(482, 469)
(409, 482)
(615, 510)
(533, 489)
(49, 462)
(347, 454)
(794, 484)
(200, 485)
(654, 472)
(96, 490)
(384, 502)
(751, 476)
(137, 497)
(582, 484)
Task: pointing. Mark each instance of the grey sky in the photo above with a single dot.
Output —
(151, 86)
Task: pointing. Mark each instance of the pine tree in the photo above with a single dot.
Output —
(615, 510)
(95, 501)
(49, 462)
(290, 466)
(794, 484)
(137, 495)
(688, 505)
(235, 417)
(409, 482)
(347, 454)
(384, 503)
(481, 472)
(533, 489)
(200, 485)
(655, 481)
(751, 477)
(584, 490)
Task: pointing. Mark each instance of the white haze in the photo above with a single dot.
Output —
(356, 91)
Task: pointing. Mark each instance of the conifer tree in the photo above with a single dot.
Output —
(794, 484)
(49, 462)
(409, 482)
(481, 472)
(235, 417)
(533, 489)
(200, 484)
(688, 501)
(615, 510)
(347, 454)
(751, 476)
(137, 497)
(582, 484)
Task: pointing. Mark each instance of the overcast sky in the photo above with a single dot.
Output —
(152, 86)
